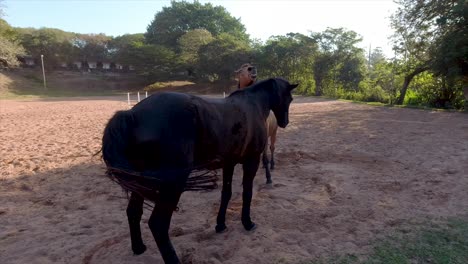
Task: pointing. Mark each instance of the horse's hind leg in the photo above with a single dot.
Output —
(226, 193)
(267, 168)
(134, 212)
(159, 224)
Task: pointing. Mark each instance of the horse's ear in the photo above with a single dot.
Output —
(292, 86)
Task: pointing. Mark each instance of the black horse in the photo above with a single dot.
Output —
(153, 150)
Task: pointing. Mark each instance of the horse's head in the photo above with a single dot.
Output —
(280, 99)
(246, 75)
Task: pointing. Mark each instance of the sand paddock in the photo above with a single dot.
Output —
(346, 174)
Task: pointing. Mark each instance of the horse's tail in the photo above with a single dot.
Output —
(116, 147)
(116, 139)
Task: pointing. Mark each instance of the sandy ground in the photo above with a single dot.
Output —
(346, 174)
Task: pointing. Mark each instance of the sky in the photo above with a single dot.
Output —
(262, 18)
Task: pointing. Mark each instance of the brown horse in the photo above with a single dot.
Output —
(153, 149)
(272, 129)
(247, 75)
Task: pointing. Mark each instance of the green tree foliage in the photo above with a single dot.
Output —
(179, 18)
(450, 54)
(153, 62)
(120, 47)
(92, 47)
(189, 46)
(339, 64)
(289, 56)
(382, 76)
(432, 35)
(218, 59)
(10, 48)
(54, 44)
(376, 57)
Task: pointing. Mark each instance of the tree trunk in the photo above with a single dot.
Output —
(318, 87)
(407, 81)
(465, 86)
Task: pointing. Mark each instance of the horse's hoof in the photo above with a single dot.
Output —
(269, 182)
(250, 227)
(221, 228)
(139, 250)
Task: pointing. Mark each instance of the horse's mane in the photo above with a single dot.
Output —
(254, 87)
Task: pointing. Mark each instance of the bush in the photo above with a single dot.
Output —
(366, 93)
(373, 93)
(306, 86)
(413, 98)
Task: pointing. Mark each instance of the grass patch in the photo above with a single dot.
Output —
(160, 85)
(441, 243)
(399, 106)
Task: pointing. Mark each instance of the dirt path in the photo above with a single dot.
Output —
(346, 174)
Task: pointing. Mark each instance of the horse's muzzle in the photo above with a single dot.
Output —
(283, 124)
(253, 73)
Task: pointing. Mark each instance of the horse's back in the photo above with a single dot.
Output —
(174, 123)
(165, 114)
(165, 131)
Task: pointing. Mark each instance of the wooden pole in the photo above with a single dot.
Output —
(43, 72)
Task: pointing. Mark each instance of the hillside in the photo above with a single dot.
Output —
(28, 83)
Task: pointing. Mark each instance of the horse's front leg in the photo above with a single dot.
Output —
(134, 212)
(226, 193)
(159, 224)
(250, 167)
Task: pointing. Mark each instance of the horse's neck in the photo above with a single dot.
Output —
(259, 99)
(251, 82)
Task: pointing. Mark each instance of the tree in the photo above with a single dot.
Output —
(289, 56)
(322, 68)
(376, 57)
(152, 62)
(431, 35)
(189, 45)
(218, 59)
(120, 47)
(179, 18)
(10, 48)
(92, 46)
(450, 53)
(54, 44)
(339, 63)
(351, 72)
